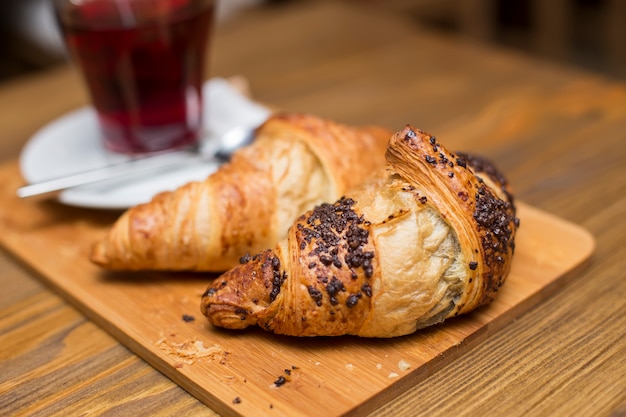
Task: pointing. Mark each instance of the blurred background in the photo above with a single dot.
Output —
(590, 34)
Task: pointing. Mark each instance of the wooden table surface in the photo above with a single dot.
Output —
(559, 134)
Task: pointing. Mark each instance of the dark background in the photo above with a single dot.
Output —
(590, 34)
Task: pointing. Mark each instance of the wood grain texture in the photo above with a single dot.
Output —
(558, 133)
(331, 376)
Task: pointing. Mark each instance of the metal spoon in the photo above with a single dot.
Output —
(220, 150)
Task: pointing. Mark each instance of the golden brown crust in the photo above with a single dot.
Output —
(295, 162)
(350, 153)
(328, 260)
(482, 215)
(431, 240)
(257, 279)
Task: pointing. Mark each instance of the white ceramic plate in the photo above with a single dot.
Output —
(72, 144)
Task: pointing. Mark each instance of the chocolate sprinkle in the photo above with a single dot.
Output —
(495, 216)
(280, 381)
(315, 294)
(336, 237)
(367, 289)
(481, 164)
(353, 299)
(334, 287)
(277, 278)
(245, 259)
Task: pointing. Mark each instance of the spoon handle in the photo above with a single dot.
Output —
(138, 166)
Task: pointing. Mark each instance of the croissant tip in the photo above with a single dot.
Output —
(227, 316)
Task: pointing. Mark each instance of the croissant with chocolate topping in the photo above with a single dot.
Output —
(295, 162)
(432, 239)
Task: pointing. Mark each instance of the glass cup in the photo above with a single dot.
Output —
(143, 62)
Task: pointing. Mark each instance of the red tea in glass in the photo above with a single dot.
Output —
(143, 62)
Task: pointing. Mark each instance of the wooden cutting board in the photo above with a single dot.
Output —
(234, 372)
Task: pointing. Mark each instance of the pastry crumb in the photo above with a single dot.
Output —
(393, 375)
(379, 366)
(404, 365)
(349, 367)
(228, 379)
(190, 351)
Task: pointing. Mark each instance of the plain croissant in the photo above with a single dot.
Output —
(432, 239)
(295, 162)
